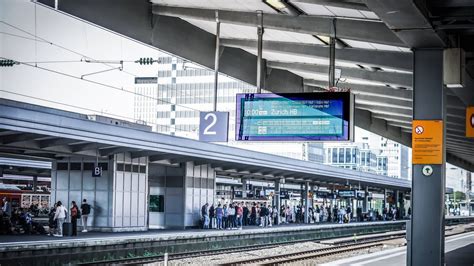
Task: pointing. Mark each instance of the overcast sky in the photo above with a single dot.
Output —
(63, 38)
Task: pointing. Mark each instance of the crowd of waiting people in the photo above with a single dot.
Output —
(238, 214)
(20, 220)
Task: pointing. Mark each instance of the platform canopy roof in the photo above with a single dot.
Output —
(40, 133)
(374, 42)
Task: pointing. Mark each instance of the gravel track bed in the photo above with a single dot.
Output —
(234, 256)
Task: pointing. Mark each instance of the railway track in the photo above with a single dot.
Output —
(340, 247)
(309, 254)
(186, 255)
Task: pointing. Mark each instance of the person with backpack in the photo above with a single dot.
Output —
(86, 210)
(75, 214)
(60, 217)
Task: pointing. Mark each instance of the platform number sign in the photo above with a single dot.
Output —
(97, 171)
(213, 126)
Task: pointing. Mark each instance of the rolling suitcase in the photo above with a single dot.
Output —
(67, 229)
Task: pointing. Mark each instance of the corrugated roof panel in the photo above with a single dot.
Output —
(236, 5)
(369, 14)
(248, 32)
(315, 10)
(345, 12)
(358, 44)
(287, 36)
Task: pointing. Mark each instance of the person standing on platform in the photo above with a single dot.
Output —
(269, 215)
(7, 208)
(253, 214)
(75, 214)
(205, 216)
(212, 217)
(349, 213)
(52, 222)
(225, 220)
(86, 210)
(239, 212)
(246, 214)
(60, 217)
(231, 216)
(219, 215)
(316, 214)
(275, 215)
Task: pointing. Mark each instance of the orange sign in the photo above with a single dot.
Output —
(427, 142)
(470, 122)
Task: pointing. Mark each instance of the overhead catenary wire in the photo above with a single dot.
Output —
(40, 39)
(100, 84)
(85, 56)
(85, 109)
(37, 38)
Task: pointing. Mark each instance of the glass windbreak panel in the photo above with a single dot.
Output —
(341, 155)
(157, 203)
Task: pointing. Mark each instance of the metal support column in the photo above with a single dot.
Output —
(426, 246)
(397, 198)
(276, 199)
(468, 192)
(366, 200)
(216, 59)
(259, 50)
(384, 199)
(306, 203)
(35, 182)
(332, 56)
(244, 188)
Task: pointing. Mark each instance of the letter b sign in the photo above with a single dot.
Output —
(213, 126)
(97, 171)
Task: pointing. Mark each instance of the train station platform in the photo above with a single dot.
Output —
(458, 249)
(37, 249)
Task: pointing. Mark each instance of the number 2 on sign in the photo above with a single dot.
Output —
(207, 130)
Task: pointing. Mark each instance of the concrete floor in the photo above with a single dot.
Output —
(459, 252)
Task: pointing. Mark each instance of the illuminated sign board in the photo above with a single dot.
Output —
(326, 116)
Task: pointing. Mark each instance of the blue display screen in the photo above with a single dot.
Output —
(293, 117)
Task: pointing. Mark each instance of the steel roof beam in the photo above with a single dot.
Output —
(19, 137)
(393, 78)
(355, 29)
(351, 4)
(380, 101)
(385, 110)
(365, 120)
(384, 91)
(378, 58)
(407, 21)
(55, 142)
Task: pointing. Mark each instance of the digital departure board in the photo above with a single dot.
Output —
(321, 116)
